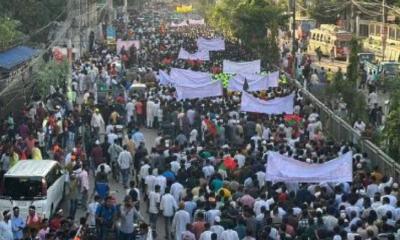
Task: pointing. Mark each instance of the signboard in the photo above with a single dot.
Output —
(111, 34)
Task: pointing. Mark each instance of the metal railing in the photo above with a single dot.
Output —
(340, 130)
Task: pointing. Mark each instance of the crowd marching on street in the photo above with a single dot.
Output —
(205, 173)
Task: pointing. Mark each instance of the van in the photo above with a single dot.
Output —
(33, 182)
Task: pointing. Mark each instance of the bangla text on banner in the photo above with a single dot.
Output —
(280, 168)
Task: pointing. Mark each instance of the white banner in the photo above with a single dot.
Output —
(127, 45)
(196, 22)
(199, 55)
(215, 44)
(185, 77)
(273, 80)
(181, 24)
(242, 67)
(280, 168)
(212, 89)
(279, 105)
(164, 78)
(256, 82)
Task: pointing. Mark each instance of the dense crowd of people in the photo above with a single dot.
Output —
(204, 175)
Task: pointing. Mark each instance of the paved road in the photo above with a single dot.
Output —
(119, 192)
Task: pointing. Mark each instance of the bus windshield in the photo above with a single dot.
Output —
(22, 188)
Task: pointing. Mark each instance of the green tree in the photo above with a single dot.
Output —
(254, 22)
(8, 32)
(49, 74)
(354, 99)
(353, 67)
(327, 11)
(391, 129)
(34, 15)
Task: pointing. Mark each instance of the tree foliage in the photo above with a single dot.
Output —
(49, 74)
(392, 124)
(34, 15)
(327, 11)
(8, 32)
(254, 22)
(352, 68)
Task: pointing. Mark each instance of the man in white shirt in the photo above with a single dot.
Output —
(177, 191)
(229, 234)
(241, 159)
(259, 203)
(181, 219)
(130, 110)
(206, 234)
(168, 206)
(208, 169)
(125, 163)
(372, 188)
(91, 211)
(217, 228)
(359, 126)
(386, 207)
(154, 203)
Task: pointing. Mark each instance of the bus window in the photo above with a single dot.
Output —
(328, 40)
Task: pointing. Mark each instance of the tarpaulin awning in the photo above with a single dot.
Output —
(15, 56)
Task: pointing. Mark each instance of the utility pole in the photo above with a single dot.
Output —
(383, 29)
(294, 36)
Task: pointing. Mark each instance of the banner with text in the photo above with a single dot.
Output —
(215, 44)
(280, 168)
(278, 105)
(242, 67)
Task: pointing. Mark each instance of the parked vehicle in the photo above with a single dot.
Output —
(33, 182)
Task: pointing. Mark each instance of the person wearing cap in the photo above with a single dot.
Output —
(179, 222)
(6, 232)
(18, 224)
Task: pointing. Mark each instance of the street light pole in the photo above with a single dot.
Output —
(294, 37)
(383, 29)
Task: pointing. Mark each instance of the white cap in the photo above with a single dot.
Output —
(217, 219)
(97, 142)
